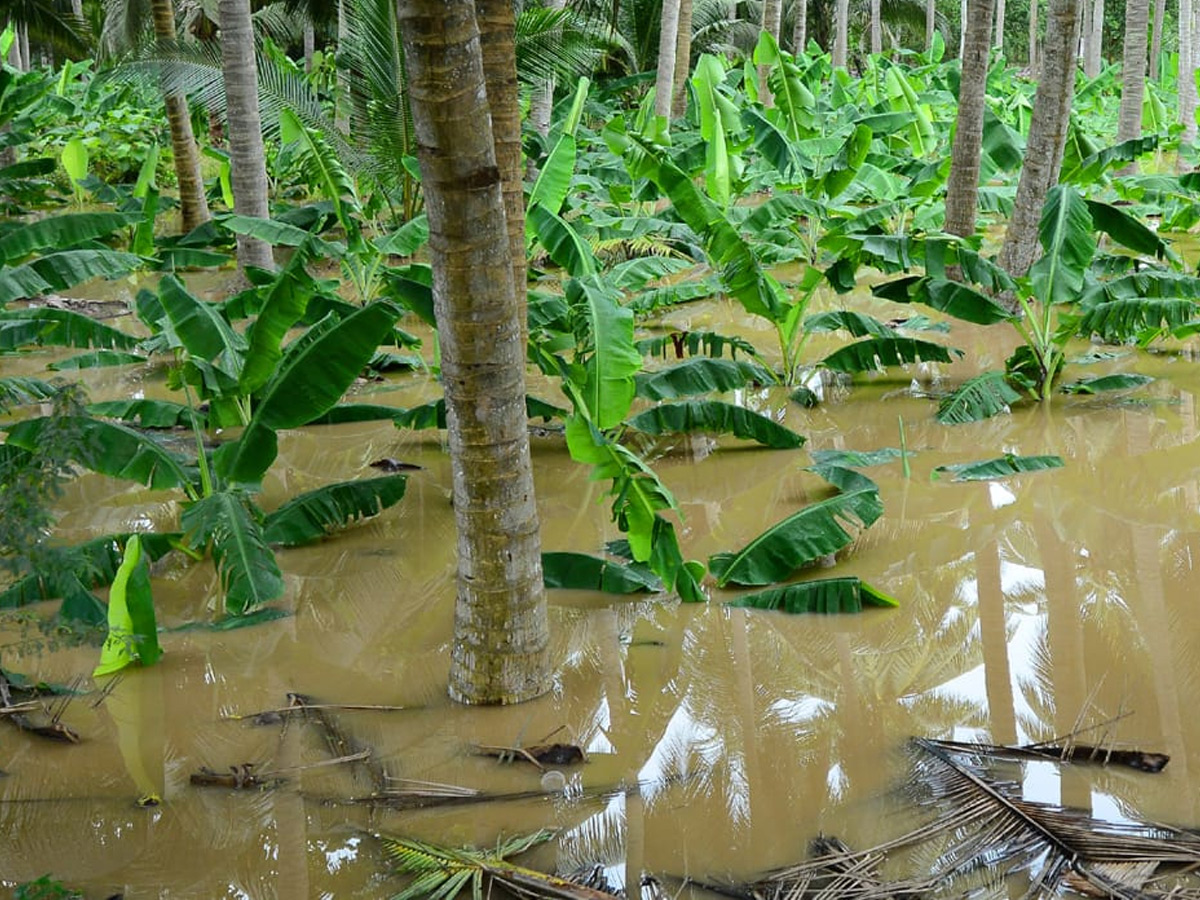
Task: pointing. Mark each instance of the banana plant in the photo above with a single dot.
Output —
(1061, 299)
(264, 384)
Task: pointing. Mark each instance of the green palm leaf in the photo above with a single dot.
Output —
(981, 397)
(720, 418)
(16, 390)
(249, 575)
(827, 595)
(314, 514)
(801, 539)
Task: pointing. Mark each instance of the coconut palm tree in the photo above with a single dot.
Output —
(249, 173)
(124, 25)
(1133, 72)
(1047, 134)
(962, 188)
(501, 632)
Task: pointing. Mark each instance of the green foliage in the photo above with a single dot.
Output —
(230, 527)
(132, 629)
(579, 571)
(312, 515)
(689, 416)
(826, 595)
(1000, 467)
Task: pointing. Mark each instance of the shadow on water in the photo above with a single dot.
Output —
(1025, 604)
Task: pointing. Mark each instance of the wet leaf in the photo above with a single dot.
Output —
(312, 515)
(1117, 382)
(580, 571)
(828, 595)
(1000, 467)
(714, 416)
(981, 397)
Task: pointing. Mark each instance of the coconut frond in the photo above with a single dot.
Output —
(440, 873)
(992, 823)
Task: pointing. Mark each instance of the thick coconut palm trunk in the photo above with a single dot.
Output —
(1047, 135)
(247, 159)
(193, 205)
(500, 652)
(962, 188)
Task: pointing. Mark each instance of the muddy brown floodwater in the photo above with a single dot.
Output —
(1029, 607)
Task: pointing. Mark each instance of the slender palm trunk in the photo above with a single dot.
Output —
(800, 26)
(930, 22)
(500, 652)
(249, 165)
(999, 42)
(542, 102)
(342, 101)
(772, 14)
(1033, 37)
(310, 45)
(1133, 74)
(876, 27)
(26, 56)
(1093, 60)
(683, 60)
(1085, 30)
(496, 22)
(193, 205)
(1160, 13)
(77, 9)
(841, 32)
(14, 51)
(962, 30)
(1187, 69)
(1047, 135)
(962, 188)
(668, 41)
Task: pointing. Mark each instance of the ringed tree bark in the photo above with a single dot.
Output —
(1047, 135)
(683, 60)
(1133, 73)
(962, 187)
(1187, 69)
(664, 82)
(1160, 13)
(497, 26)
(876, 27)
(248, 173)
(1033, 37)
(193, 205)
(930, 23)
(999, 17)
(841, 32)
(1093, 40)
(501, 635)
(800, 26)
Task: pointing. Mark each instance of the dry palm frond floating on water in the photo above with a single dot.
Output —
(984, 831)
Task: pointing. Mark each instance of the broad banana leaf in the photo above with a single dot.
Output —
(714, 416)
(561, 241)
(1120, 381)
(579, 571)
(132, 630)
(701, 375)
(97, 359)
(877, 353)
(1000, 467)
(1118, 321)
(718, 119)
(115, 450)
(61, 270)
(246, 566)
(58, 327)
(554, 180)
(826, 595)
(801, 539)
(147, 413)
(320, 165)
(314, 514)
(607, 390)
(310, 381)
(199, 328)
(1065, 232)
(61, 232)
(286, 301)
(1128, 231)
(986, 395)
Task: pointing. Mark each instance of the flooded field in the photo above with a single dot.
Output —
(719, 741)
